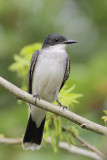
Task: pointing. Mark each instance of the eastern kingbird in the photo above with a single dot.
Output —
(48, 71)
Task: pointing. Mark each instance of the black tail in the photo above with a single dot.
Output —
(33, 135)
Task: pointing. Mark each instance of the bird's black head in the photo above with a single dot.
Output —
(54, 39)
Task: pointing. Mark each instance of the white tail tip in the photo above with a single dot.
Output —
(27, 145)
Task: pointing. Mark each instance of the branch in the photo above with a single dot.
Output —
(62, 145)
(11, 140)
(77, 150)
(84, 123)
(84, 143)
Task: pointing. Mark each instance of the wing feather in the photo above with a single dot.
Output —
(31, 70)
(67, 72)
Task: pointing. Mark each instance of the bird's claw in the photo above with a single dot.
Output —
(64, 107)
(59, 103)
(36, 97)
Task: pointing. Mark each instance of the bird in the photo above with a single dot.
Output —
(48, 71)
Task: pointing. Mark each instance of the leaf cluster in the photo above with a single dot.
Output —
(105, 117)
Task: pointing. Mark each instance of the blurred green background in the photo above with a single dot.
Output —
(26, 22)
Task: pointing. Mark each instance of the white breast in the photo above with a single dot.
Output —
(49, 72)
(47, 78)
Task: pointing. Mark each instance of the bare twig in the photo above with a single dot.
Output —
(11, 140)
(84, 123)
(77, 150)
(84, 143)
(62, 145)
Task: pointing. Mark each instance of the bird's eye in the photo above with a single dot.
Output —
(56, 40)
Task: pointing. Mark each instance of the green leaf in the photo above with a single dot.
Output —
(104, 117)
(105, 112)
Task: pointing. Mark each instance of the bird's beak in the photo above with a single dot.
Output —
(69, 41)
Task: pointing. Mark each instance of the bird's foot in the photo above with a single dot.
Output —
(64, 107)
(36, 96)
(59, 103)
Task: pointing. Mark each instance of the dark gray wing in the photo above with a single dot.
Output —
(31, 69)
(67, 72)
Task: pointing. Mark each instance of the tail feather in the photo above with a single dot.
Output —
(33, 135)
